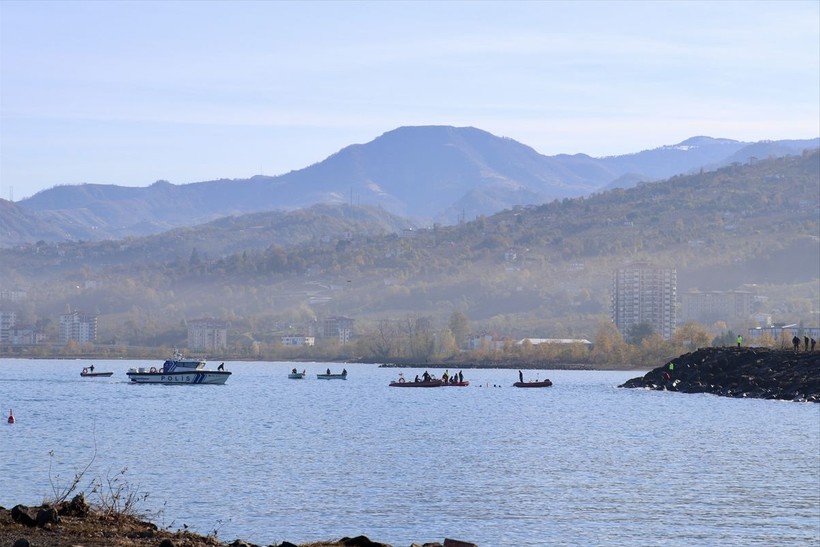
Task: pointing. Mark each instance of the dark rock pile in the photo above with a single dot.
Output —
(76, 523)
(759, 373)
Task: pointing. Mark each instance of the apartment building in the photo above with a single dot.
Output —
(207, 335)
(641, 293)
(78, 327)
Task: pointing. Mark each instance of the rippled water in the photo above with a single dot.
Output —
(268, 459)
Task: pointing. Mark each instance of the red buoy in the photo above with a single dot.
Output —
(11, 416)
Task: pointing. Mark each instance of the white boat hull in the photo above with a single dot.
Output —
(216, 377)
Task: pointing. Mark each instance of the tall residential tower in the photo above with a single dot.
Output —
(643, 294)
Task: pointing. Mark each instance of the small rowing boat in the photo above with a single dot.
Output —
(545, 383)
(89, 373)
(329, 376)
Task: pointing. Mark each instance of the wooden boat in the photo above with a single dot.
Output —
(342, 376)
(87, 373)
(545, 383)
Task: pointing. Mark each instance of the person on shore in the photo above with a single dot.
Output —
(796, 343)
(520, 376)
(739, 340)
(813, 342)
(805, 343)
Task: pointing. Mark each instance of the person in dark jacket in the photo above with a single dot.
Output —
(796, 343)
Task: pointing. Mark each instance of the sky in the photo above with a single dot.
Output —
(128, 93)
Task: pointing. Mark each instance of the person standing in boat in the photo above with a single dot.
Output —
(520, 376)
(460, 377)
(426, 376)
(91, 368)
(221, 366)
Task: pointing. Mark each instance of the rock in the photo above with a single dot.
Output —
(22, 542)
(759, 373)
(166, 543)
(46, 516)
(20, 514)
(457, 543)
(77, 507)
(360, 541)
(287, 544)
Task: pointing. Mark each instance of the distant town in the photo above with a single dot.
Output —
(649, 322)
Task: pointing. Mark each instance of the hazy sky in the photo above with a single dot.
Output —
(128, 93)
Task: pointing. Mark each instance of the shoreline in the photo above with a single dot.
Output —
(76, 522)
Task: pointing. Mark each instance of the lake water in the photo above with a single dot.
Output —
(268, 459)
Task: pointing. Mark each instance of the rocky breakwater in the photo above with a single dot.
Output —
(759, 373)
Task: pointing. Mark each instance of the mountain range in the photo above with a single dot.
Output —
(542, 271)
(427, 174)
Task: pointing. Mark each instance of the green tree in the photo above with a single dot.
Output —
(638, 332)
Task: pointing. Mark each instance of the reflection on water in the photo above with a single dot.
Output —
(268, 459)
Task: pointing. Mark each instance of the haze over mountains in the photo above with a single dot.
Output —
(424, 174)
(541, 270)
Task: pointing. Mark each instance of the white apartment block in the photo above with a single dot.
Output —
(79, 327)
(644, 294)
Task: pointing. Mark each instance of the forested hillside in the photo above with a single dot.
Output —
(425, 174)
(541, 271)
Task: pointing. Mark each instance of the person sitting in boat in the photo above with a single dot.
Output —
(293, 371)
(417, 379)
(445, 376)
(328, 372)
(344, 372)
(426, 376)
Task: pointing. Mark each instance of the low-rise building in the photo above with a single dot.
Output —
(298, 341)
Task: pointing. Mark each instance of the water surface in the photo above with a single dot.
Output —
(268, 459)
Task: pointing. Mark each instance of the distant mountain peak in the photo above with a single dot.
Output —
(432, 173)
(703, 140)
